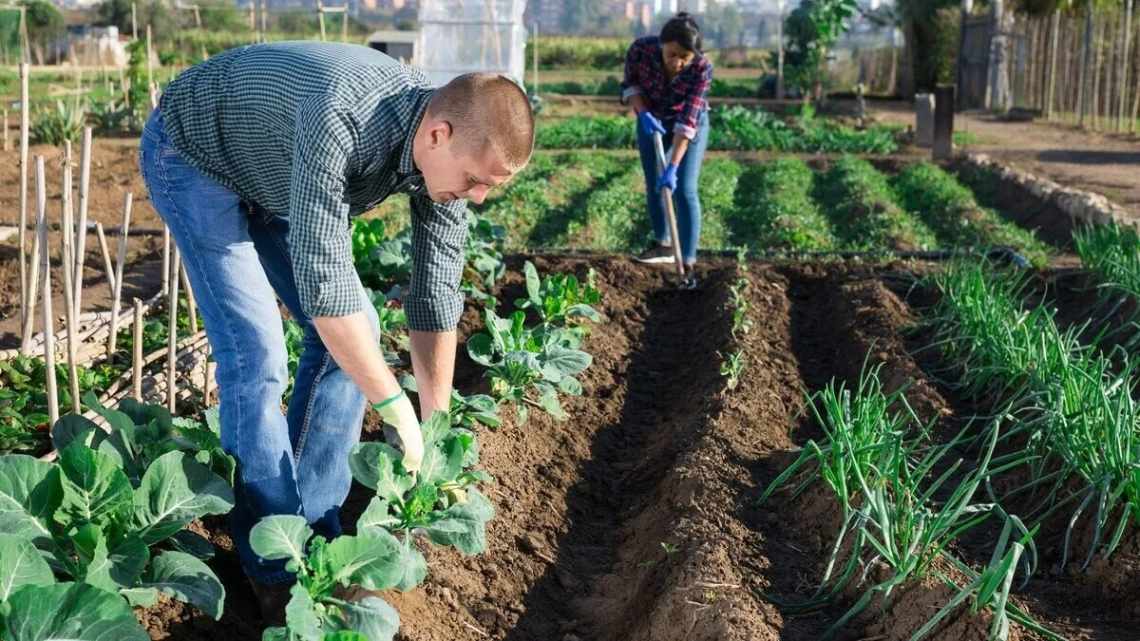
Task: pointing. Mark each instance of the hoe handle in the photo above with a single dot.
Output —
(667, 202)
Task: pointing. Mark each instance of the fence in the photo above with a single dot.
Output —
(1080, 68)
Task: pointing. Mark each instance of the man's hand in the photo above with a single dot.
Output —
(401, 416)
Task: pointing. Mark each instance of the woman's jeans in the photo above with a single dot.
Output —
(686, 202)
(237, 261)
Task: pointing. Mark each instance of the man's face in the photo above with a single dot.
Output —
(452, 175)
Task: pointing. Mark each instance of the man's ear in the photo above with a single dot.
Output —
(439, 135)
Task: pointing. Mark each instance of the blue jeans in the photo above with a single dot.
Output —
(686, 202)
(237, 260)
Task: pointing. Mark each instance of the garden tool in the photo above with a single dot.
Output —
(667, 202)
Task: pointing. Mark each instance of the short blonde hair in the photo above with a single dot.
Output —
(487, 112)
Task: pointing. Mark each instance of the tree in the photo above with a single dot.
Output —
(45, 26)
(115, 13)
(810, 31)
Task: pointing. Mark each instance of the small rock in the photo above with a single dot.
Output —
(531, 543)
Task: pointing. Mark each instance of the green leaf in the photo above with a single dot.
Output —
(549, 402)
(20, 565)
(344, 635)
(559, 362)
(174, 491)
(570, 385)
(95, 490)
(301, 614)
(584, 311)
(532, 283)
(463, 526)
(373, 618)
(30, 493)
(140, 597)
(111, 570)
(71, 612)
(370, 560)
(374, 464)
(71, 428)
(414, 566)
(189, 580)
(378, 514)
(281, 536)
(192, 543)
(481, 349)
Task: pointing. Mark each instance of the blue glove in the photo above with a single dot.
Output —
(649, 124)
(668, 178)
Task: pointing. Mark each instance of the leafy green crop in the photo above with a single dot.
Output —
(861, 206)
(775, 208)
(23, 399)
(523, 362)
(559, 299)
(96, 514)
(441, 500)
(484, 258)
(54, 127)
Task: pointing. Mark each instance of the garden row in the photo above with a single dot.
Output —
(733, 128)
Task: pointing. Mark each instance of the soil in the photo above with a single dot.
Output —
(636, 518)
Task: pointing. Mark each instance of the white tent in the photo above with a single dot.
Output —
(461, 36)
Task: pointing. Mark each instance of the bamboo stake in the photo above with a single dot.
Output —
(149, 62)
(138, 350)
(7, 144)
(67, 226)
(29, 319)
(165, 260)
(207, 384)
(134, 22)
(172, 335)
(1124, 67)
(117, 281)
(191, 304)
(66, 258)
(81, 232)
(108, 264)
(27, 310)
(49, 324)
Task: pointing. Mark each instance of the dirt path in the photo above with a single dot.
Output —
(1106, 164)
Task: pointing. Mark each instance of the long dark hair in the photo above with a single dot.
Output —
(682, 29)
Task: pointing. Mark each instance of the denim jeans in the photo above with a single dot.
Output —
(237, 260)
(686, 202)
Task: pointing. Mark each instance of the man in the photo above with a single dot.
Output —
(256, 160)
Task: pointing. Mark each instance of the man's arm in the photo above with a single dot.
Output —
(434, 302)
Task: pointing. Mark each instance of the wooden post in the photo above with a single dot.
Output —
(321, 18)
(534, 57)
(117, 284)
(264, 22)
(26, 287)
(49, 323)
(28, 325)
(7, 144)
(81, 231)
(67, 226)
(67, 256)
(1125, 76)
(172, 335)
(1052, 82)
(943, 122)
(136, 369)
(149, 63)
(134, 22)
(344, 24)
(191, 304)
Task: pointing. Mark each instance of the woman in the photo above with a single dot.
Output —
(666, 81)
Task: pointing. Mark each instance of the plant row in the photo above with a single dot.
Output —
(1112, 253)
(731, 128)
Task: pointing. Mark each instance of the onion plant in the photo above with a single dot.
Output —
(1112, 252)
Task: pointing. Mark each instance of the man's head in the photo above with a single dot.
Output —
(477, 133)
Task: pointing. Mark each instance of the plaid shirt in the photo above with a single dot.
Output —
(680, 101)
(321, 132)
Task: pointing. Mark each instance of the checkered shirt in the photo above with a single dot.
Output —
(319, 133)
(680, 101)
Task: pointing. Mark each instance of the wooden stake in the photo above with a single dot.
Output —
(29, 319)
(49, 323)
(208, 384)
(67, 226)
(6, 143)
(165, 260)
(26, 287)
(108, 264)
(149, 62)
(81, 230)
(191, 304)
(172, 336)
(138, 350)
(66, 258)
(134, 22)
(117, 280)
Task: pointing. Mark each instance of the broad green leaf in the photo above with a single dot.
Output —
(481, 349)
(570, 385)
(174, 491)
(70, 612)
(344, 635)
(30, 493)
(95, 490)
(463, 526)
(214, 421)
(275, 634)
(560, 362)
(549, 402)
(301, 614)
(20, 565)
(584, 311)
(436, 427)
(532, 283)
(378, 514)
(370, 560)
(373, 618)
(281, 536)
(192, 543)
(413, 564)
(373, 465)
(189, 580)
(71, 427)
(140, 597)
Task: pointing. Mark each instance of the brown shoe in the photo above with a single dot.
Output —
(271, 599)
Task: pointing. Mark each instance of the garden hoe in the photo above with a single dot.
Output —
(670, 215)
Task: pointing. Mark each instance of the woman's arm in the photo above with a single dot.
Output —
(680, 146)
(689, 119)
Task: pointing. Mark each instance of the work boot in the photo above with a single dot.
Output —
(271, 600)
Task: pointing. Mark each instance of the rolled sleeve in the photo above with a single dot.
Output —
(695, 101)
(634, 60)
(320, 240)
(439, 238)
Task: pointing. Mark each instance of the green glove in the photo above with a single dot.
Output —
(398, 413)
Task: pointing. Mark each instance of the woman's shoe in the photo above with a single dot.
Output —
(657, 254)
